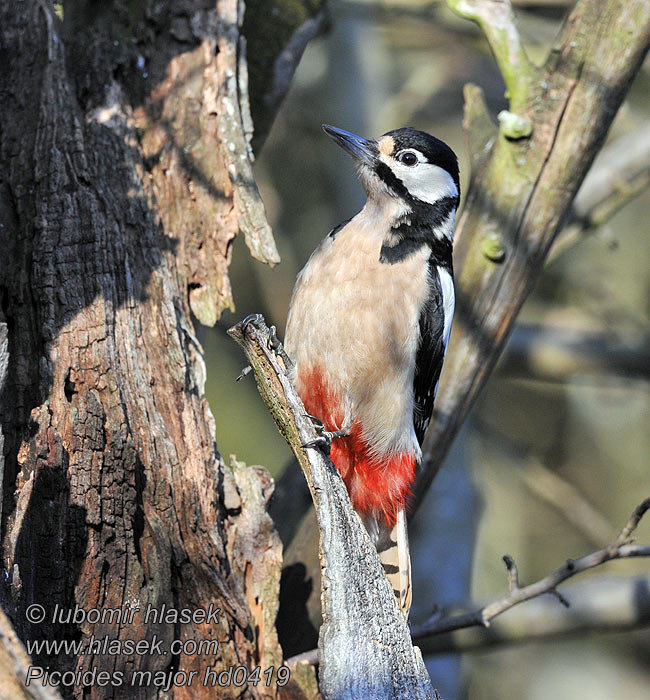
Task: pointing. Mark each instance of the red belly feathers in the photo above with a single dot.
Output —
(376, 486)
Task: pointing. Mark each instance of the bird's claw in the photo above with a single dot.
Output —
(322, 442)
(325, 437)
(273, 342)
(278, 348)
(251, 319)
(316, 421)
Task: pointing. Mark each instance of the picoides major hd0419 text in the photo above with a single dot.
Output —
(368, 328)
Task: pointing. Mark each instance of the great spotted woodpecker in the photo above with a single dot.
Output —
(368, 328)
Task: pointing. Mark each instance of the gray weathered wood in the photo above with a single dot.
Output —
(365, 644)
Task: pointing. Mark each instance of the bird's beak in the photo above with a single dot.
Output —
(359, 148)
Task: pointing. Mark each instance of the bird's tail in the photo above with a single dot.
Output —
(393, 547)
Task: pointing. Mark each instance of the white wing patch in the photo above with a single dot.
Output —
(448, 302)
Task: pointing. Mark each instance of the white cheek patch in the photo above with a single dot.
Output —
(427, 182)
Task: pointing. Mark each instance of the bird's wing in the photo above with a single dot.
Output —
(430, 354)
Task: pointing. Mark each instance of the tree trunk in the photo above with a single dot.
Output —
(126, 175)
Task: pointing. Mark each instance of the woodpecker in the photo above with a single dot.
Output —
(368, 328)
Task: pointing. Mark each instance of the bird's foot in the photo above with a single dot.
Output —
(257, 322)
(278, 348)
(250, 320)
(325, 437)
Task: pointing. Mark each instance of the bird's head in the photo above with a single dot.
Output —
(405, 163)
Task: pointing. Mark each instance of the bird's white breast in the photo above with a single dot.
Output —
(357, 320)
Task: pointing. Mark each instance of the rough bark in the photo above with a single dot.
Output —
(126, 175)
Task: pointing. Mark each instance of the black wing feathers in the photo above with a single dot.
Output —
(431, 350)
(430, 354)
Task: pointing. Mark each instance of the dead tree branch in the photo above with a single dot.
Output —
(602, 604)
(621, 548)
(365, 645)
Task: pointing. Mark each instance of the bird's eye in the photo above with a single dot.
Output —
(408, 158)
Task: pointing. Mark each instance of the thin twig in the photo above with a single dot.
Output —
(631, 525)
(601, 604)
(513, 574)
(620, 549)
(619, 174)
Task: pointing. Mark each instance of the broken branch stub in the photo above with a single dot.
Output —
(365, 645)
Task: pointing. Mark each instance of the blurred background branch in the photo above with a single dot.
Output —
(520, 196)
(620, 173)
(621, 548)
(554, 353)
